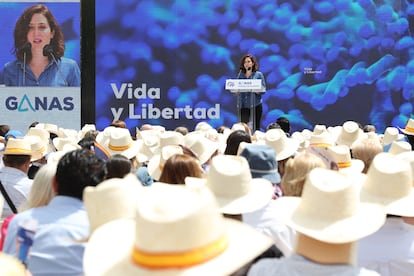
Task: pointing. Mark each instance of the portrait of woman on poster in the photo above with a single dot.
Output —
(39, 47)
(249, 69)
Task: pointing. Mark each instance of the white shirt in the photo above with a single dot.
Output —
(390, 250)
(296, 265)
(267, 222)
(17, 185)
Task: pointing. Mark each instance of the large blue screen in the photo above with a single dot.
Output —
(325, 62)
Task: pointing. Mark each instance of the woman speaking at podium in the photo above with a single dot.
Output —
(249, 69)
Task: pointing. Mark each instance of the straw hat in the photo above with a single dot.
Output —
(157, 162)
(20, 146)
(321, 139)
(51, 128)
(230, 180)
(60, 142)
(390, 134)
(389, 182)
(409, 157)
(86, 127)
(283, 146)
(55, 156)
(39, 146)
(176, 231)
(111, 199)
(262, 161)
(318, 129)
(103, 136)
(149, 141)
(397, 147)
(120, 142)
(329, 209)
(200, 145)
(303, 142)
(409, 127)
(341, 154)
(350, 132)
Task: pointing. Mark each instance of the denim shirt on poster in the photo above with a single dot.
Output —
(69, 74)
(245, 98)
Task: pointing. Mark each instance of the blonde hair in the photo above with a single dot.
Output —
(42, 188)
(296, 171)
(365, 150)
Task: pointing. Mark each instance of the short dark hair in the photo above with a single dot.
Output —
(14, 160)
(284, 124)
(118, 166)
(234, 140)
(78, 169)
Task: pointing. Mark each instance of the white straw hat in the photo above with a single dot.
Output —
(283, 145)
(409, 127)
(329, 209)
(200, 145)
(111, 199)
(120, 142)
(409, 157)
(341, 154)
(390, 182)
(397, 147)
(350, 132)
(230, 180)
(176, 231)
(390, 134)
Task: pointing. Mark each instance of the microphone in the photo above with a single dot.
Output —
(48, 52)
(238, 74)
(25, 49)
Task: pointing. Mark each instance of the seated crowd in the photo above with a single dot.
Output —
(332, 200)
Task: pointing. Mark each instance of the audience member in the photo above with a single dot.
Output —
(234, 140)
(296, 172)
(409, 131)
(182, 129)
(285, 147)
(284, 124)
(365, 150)
(119, 124)
(41, 193)
(329, 220)
(369, 128)
(390, 251)
(63, 223)
(178, 167)
(13, 176)
(118, 166)
(263, 164)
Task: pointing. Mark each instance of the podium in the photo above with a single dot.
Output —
(251, 86)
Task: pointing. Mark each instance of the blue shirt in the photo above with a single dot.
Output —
(245, 98)
(67, 74)
(57, 246)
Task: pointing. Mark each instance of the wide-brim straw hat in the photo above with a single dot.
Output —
(390, 134)
(329, 209)
(39, 146)
(341, 155)
(349, 133)
(231, 182)
(390, 182)
(20, 146)
(54, 157)
(284, 146)
(176, 231)
(203, 147)
(157, 162)
(120, 142)
(112, 199)
(409, 157)
(397, 147)
(409, 127)
(321, 139)
(149, 142)
(60, 142)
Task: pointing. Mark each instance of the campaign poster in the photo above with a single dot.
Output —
(53, 96)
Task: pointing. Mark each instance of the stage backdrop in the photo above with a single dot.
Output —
(20, 106)
(325, 62)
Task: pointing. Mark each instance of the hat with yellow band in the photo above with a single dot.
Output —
(177, 230)
(409, 127)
